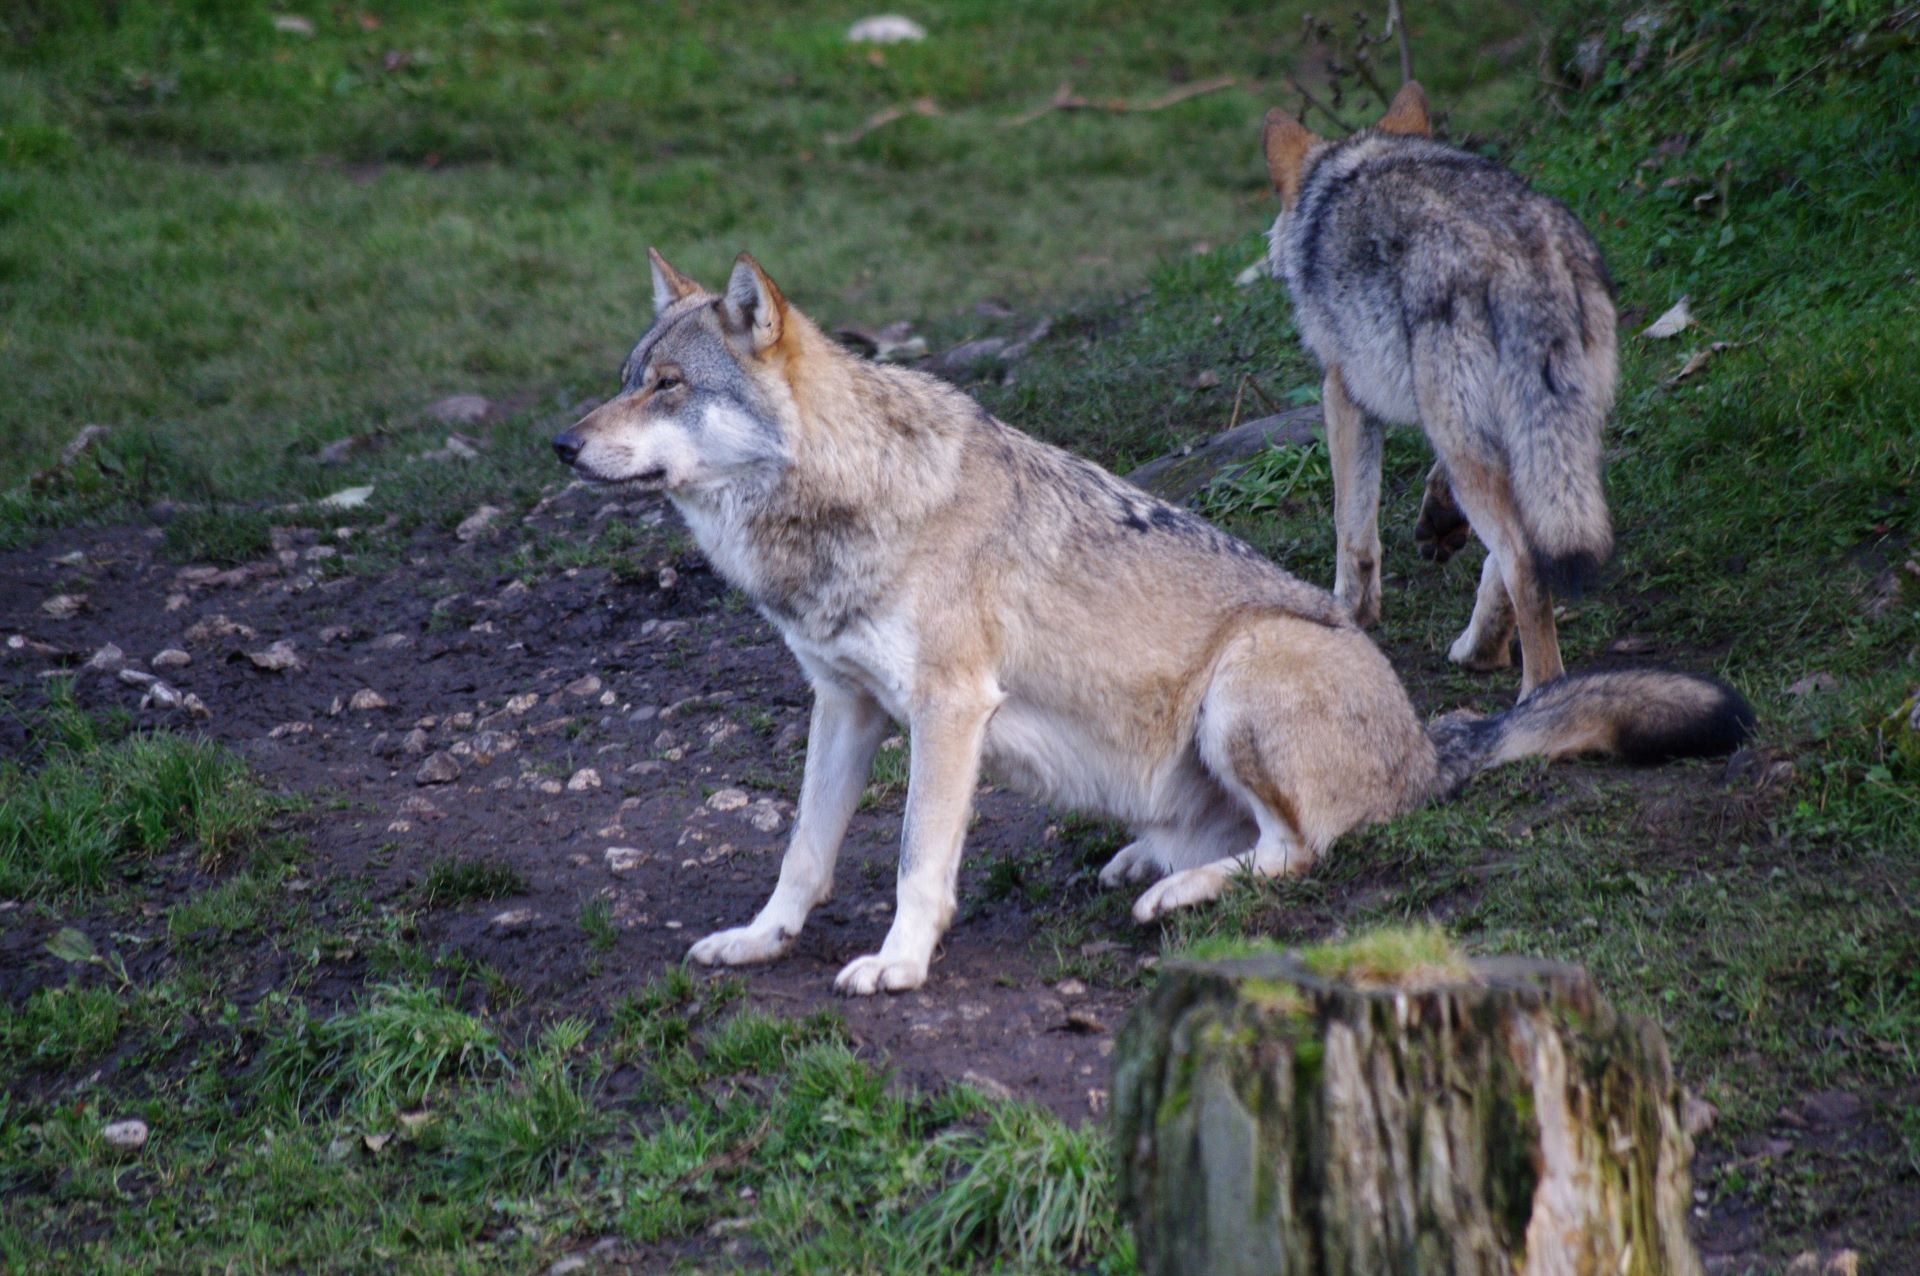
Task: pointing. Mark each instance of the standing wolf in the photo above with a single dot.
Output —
(1437, 289)
(1019, 607)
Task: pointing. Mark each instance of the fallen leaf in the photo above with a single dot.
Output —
(71, 945)
(346, 498)
(1676, 320)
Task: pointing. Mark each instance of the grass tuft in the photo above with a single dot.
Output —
(1031, 1189)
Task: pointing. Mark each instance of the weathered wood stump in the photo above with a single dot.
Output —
(1286, 1113)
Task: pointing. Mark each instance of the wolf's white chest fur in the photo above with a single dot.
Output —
(1047, 750)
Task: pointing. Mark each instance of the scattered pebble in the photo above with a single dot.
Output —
(728, 800)
(765, 815)
(286, 729)
(439, 768)
(477, 523)
(277, 657)
(1814, 682)
(171, 658)
(584, 686)
(986, 1085)
(522, 703)
(624, 859)
(64, 606)
(462, 409)
(514, 919)
(215, 627)
(583, 779)
(125, 1136)
(1070, 988)
(366, 700)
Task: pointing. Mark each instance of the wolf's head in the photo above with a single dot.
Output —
(1290, 144)
(701, 401)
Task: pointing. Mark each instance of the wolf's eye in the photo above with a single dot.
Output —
(662, 384)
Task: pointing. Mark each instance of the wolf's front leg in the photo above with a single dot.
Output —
(845, 731)
(941, 775)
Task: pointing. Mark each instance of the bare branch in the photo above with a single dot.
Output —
(1397, 23)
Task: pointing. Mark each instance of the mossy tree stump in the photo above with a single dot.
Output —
(1283, 1113)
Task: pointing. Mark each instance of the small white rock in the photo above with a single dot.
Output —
(583, 779)
(885, 28)
(624, 859)
(728, 800)
(366, 700)
(125, 1136)
(171, 658)
(476, 523)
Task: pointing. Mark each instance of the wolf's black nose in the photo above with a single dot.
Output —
(567, 447)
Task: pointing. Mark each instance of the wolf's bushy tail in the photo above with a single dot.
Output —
(1558, 380)
(1638, 715)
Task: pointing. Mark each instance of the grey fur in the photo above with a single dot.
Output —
(1441, 291)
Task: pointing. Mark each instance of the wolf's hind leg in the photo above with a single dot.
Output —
(841, 740)
(1143, 859)
(1487, 496)
(1278, 851)
(1487, 641)
(1353, 447)
(1214, 829)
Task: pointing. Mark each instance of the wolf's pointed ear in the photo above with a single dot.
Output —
(669, 285)
(753, 304)
(1408, 112)
(1287, 142)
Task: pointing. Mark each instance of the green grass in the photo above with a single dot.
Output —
(94, 809)
(325, 245)
(453, 881)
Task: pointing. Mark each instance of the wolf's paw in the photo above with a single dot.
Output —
(865, 976)
(1134, 862)
(1365, 609)
(1471, 651)
(1178, 890)
(741, 946)
(1442, 530)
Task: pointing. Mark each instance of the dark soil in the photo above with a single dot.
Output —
(698, 704)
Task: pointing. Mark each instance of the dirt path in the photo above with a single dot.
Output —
(638, 741)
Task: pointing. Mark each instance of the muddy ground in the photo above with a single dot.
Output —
(629, 731)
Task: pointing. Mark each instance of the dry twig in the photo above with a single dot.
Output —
(924, 107)
(1065, 99)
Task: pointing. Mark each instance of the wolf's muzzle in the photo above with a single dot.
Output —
(566, 446)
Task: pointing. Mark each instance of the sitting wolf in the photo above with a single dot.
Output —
(1437, 289)
(1018, 607)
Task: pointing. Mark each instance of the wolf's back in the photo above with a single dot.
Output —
(1637, 715)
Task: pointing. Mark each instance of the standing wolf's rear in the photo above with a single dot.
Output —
(1437, 289)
